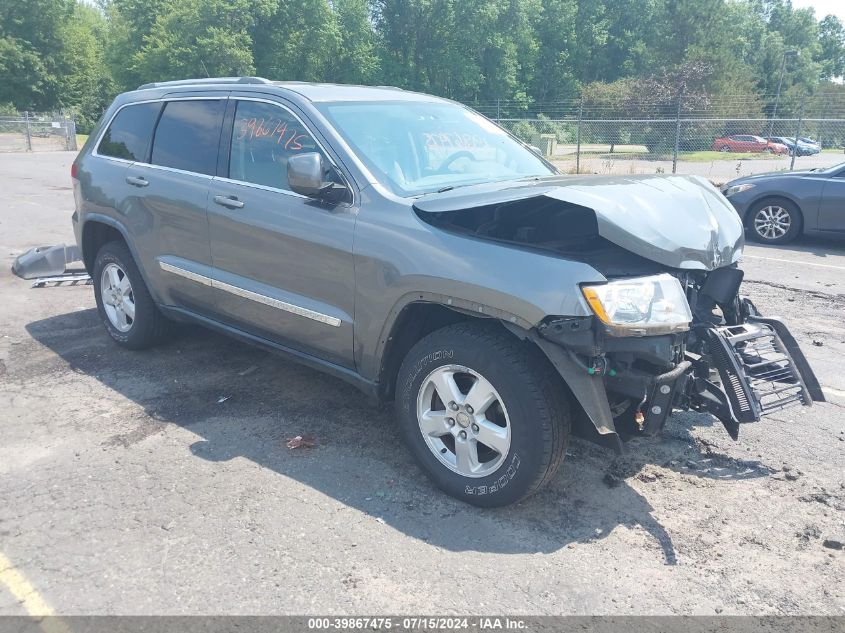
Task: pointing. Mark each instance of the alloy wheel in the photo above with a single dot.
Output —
(117, 296)
(463, 420)
(772, 222)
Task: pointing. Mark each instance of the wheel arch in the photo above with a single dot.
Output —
(591, 416)
(98, 230)
(413, 321)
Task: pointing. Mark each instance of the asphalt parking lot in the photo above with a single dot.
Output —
(160, 482)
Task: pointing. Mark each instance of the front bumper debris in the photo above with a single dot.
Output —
(757, 374)
(45, 261)
(739, 372)
(51, 265)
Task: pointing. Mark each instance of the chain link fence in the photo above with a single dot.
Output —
(34, 131)
(717, 140)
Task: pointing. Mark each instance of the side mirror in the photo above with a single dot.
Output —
(306, 176)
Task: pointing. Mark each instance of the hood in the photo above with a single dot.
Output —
(802, 173)
(676, 221)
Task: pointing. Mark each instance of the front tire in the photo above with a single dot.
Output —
(123, 301)
(775, 221)
(482, 413)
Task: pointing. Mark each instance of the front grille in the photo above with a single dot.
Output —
(758, 374)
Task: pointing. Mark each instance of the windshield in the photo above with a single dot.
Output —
(416, 148)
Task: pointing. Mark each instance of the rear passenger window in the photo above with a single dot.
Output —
(264, 137)
(128, 135)
(188, 135)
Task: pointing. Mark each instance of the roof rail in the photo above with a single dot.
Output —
(205, 81)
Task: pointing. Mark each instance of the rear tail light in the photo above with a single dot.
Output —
(73, 171)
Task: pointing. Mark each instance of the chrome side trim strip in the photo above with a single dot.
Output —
(276, 303)
(253, 185)
(174, 170)
(187, 274)
(252, 296)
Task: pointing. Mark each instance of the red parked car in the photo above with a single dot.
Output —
(748, 143)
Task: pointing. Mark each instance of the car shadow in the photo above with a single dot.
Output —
(244, 402)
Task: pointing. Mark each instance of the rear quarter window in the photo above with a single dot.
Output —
(128, 135)
(188, 135)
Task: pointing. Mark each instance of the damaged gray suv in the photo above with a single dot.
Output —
(410, 246)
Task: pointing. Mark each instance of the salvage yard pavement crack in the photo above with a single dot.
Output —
(815, 293)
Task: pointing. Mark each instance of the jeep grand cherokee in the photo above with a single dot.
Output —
(412, 247)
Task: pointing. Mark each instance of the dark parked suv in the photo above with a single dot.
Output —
(412, 247)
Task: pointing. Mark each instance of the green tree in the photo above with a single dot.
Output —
(633, 28)
(33, 45)
(297, 41)
(85, 84)
(465, 49)
(789, 29)
(356, 61)
(554, 28)
(77, 55)
(24, 80)
(129, 23)
(591, 36)
(197, 38)
(831, 52)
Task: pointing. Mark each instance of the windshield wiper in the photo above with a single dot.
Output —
(445, 189)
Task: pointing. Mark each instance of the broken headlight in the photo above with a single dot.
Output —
(641, 305)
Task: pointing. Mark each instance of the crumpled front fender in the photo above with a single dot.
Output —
(588, 390)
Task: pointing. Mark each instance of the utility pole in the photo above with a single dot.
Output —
(780, 83)
(578, 137)
(677, 134)
(28, 130)
(797, 134)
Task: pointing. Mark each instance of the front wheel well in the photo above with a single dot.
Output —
(94, 236)
(416, 321)
(420, 319)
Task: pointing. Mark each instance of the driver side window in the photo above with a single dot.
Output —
(264, 137)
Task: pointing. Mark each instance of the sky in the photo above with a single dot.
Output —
(823, 7)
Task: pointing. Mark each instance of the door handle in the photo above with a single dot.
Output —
(137, 181)
(230, 202)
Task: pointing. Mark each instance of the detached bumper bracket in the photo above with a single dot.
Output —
(757, 371)
(662, 396)
(713, 399)
(804, 369)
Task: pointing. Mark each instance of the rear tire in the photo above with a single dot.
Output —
(528, 417)
(123, 301)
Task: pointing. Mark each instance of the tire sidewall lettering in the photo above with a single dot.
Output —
(499, 482)
(425, 362)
